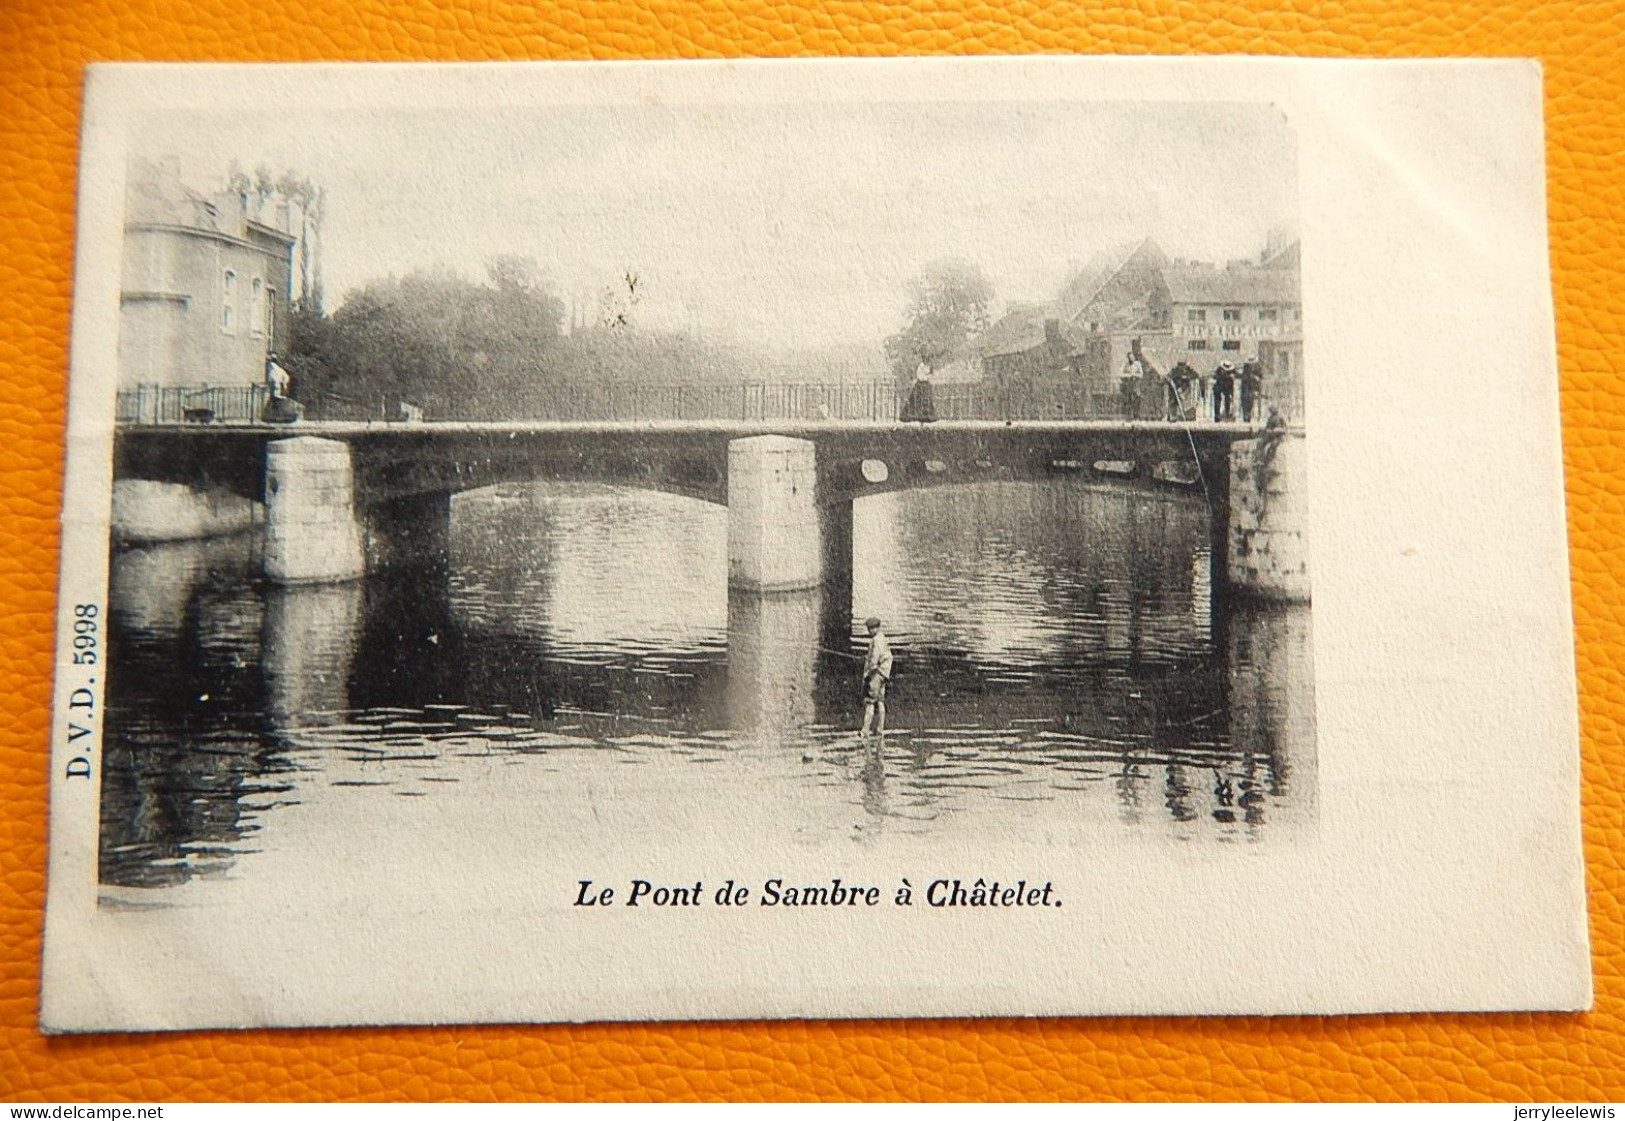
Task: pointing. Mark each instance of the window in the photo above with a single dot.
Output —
(1196, 315)
(1267, 314)
(228, 300)
(1232, 315)
(256, 308)
(1197, 344)
(1232, 344)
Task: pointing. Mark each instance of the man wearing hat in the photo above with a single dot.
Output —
(1224, 390)
(1252, 387)
(876, 673)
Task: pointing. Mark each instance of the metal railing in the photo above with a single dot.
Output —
(586, 402)
(993, 401)
(191, 404)
(608, 401)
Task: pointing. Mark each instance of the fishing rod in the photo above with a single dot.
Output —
(940, 655)
(1201, 474)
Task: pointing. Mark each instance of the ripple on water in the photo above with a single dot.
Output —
(1058, 658)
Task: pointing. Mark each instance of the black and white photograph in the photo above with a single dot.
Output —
(856, 464)
(512, 504)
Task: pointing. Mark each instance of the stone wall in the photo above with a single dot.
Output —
(312, 534)
(774, 536)
(146, 511)
(1268, 551)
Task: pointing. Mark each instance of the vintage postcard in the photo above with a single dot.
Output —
(798, 539)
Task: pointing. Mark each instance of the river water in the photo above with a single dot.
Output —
(1065, 674)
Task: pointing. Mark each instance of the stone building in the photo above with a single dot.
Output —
(1208, 315)
(206, 286)
(1065, 347)
(1069, 354)
(1032, 364)
(1029, 343)
(1079, 345)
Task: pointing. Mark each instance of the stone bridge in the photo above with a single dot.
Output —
(340, 496)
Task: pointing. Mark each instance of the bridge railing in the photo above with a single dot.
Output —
(613, 401)
(198, 404)
(741, 401)
(993, 401)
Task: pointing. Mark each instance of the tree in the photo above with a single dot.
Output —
(947, 307)
(457, 347)
(310, 248)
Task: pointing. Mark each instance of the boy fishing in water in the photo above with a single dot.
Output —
(876, 673)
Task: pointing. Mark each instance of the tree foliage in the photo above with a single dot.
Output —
(489, 349)
(432, 338)
(947, 307)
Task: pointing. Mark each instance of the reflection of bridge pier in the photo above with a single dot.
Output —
(1272, 698)
(306, 652)
(773, 640)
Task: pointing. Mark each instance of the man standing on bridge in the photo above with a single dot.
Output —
(1181, 380)
(279, 408)
(1224, 390)
(1252, 387)
(277, 381)
(876, 674)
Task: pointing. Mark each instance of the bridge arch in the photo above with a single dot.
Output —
(853, 480)
(386, 473)
(354, 468)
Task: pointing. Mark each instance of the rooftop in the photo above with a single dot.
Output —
(1022, 329)
(1249, 285)
(1083, 286)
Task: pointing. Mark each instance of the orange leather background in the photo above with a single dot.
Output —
(44, 45)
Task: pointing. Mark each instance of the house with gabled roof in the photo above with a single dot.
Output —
(1029, 341)
(1232, 314)
(1062, 347)
(1111, 283)
(1134, 296)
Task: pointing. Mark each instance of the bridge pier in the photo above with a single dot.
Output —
(311, 532)
(1265, 547)
(776, 532)
(835, 543)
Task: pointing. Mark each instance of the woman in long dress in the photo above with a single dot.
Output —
(921, 406)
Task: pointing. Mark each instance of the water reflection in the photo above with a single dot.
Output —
(307, 644)
(1063, 671)
(774, 642)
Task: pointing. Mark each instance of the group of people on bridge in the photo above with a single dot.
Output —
(1225, 394)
